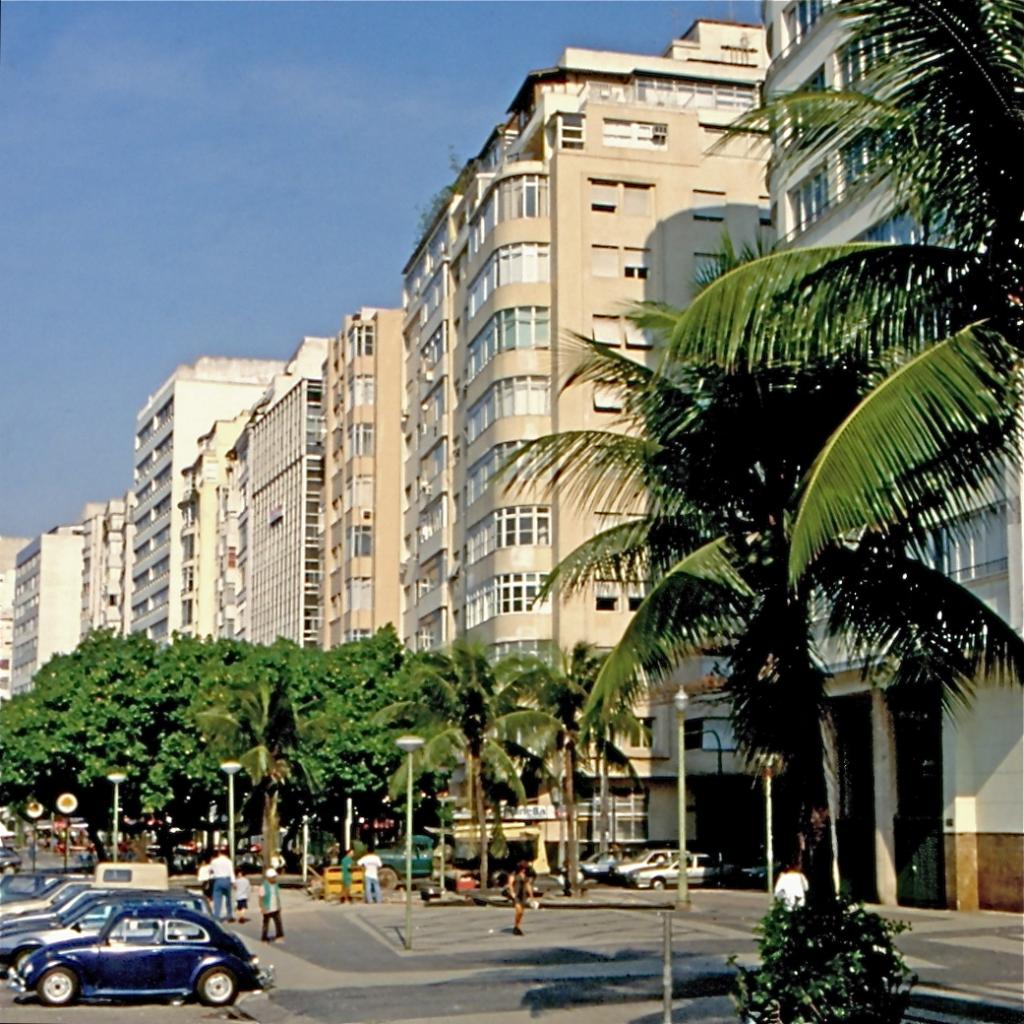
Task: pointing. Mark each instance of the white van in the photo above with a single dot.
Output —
(129, 875)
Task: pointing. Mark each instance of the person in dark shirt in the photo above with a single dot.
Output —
(521, 885)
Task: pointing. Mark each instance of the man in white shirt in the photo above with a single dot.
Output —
(371, 865)
(222, 872)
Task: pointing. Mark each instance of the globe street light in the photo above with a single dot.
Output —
(682, 883)
(410, 744)
(231, 768)
(117, 778)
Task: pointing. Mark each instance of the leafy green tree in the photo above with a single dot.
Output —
(559, 687)
(464, 709)
(114, 702)
(252, 715)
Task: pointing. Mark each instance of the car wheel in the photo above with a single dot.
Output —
(21, 956)
(658, 883)
(58, 987)
(216, 987)
(388, 879)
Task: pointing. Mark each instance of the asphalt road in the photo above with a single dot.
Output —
(342, 964)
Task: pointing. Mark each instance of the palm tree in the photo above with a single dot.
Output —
(559, 687)
(253, 719)
(464, 709)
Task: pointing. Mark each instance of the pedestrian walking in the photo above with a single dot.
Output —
(222, 872)
(270, 906)
(204, 878)
(243, 887)
(521, 886)
(347, 862)
(371, 865)
(791, 886)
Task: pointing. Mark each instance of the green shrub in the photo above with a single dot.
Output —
(825, 964)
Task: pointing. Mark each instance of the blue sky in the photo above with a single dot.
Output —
(187, 179)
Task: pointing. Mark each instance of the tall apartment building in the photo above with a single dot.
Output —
(9, 548)
(104, 542)
(609, 181)
(210, 576)
(605, 184)
(932, 809)
(47, 600)
(363, 476)
(278, 475)
(167, 430)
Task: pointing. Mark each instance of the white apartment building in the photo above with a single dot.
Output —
(47, 601)
(363, 476)
(166, 441)
(278, 470)
(104, 541)
(932, 808)
(210, 577)
(9, 548)
(608, 182)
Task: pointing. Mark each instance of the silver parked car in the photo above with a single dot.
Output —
(660, 857)
(700, 869)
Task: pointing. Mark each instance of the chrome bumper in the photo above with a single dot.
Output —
(265, 974)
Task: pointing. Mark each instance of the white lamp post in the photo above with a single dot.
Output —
(410, 744)
(35, 811)
(117, 778)
(683, 883)
(231, 769)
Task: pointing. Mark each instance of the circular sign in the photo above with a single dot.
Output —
(34, 810)
(67, 803)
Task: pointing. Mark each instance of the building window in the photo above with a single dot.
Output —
(607, 330)
(433, 350)
(361, 390)
(802, 16)
(607, 399)
(634, 134)
(513, 396)
(708, 205)
(507, 594)
(524, 263)
(604, 261)
(571, 131)
(636, 263)
(614, 196)
(810, 199)
(606, 597)
(686, 93)
(360, 541)
(604, 196)
(521, 327)
(361, 340)
(359, 593)
(482, 471)
(360, 439)
(358, 491)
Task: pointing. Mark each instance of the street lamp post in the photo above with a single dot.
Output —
(35, 812)
(117, 778)
(443, 800)
(409, 744)
(683, 883)
(231, 769)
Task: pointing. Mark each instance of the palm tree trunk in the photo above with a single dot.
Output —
(271, 825)
(573, 839)
(602, 818)
(480, 811)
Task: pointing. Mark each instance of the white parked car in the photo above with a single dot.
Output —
(700, 869)
(647, 859)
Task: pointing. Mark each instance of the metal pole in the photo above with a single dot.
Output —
(231, 820)
(305, 848)
(769, 852)
(348, 823)
(67, 840)
(117, 815)
(408, 854)
(682, 882)
(666, 968)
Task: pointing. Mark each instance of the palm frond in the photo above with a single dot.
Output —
(697, 600)
(927, 410)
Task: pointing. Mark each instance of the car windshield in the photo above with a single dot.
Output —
(21, 887)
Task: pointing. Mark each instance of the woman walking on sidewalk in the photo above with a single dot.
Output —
(270, 906)
(521, 885)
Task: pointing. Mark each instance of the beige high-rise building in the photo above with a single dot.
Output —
(209, 535)
(607, 183)
(9, 548)
(277, 474)
(166, 441)
(103, 562)
(47, 600)
(363, 474)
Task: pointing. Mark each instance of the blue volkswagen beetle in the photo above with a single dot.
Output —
(146, 951)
